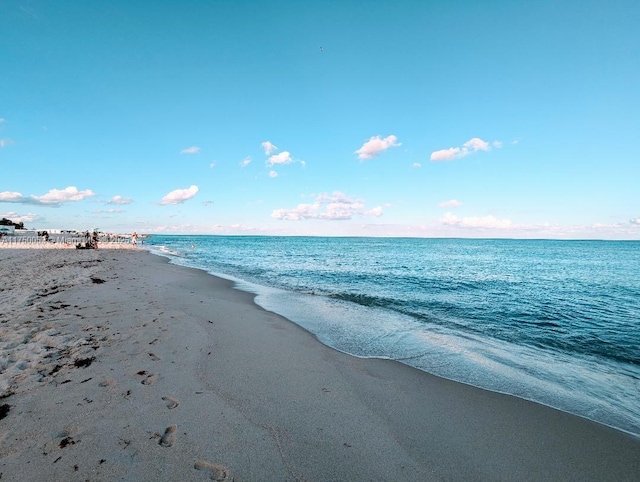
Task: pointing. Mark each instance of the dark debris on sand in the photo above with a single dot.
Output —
(84, 362)
(4, 410)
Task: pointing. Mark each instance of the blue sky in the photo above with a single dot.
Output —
(415, 118)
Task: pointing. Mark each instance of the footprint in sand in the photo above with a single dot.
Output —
(169, 437)
(151, 378)
(171, 402)
(154, 357)
(216, 472)
(107, 383)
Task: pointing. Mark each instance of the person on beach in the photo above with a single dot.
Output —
(134, 238)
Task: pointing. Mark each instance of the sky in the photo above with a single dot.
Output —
(501, 119)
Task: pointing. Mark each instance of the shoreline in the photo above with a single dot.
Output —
(264, 295)
(257, 393)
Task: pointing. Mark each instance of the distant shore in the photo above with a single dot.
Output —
(64, 241)
(120, 365)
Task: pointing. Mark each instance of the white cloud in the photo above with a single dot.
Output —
(497, 144)
(269, 147)
(5, 142)
(245, 162)
(120, 200)
(283, 158)
(54, 198)
(376, 145)
(273, 173)
(190, 150)
(21, 218)
(453, 203)
(60, 196)
(335, 206)
(179, 196)
(375, 212)
(515, 141)
(635, 221)
(476, 222)
(416, 164)
(303, 163)
(212, 165)
(11, 197)
(446, 154)
(474, 144)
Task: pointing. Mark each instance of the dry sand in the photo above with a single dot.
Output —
(116, 365)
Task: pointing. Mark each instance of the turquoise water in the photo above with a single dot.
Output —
(556, 322)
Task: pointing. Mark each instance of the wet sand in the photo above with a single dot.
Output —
(115, 365)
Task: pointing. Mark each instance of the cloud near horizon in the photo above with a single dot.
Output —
(21, 218)
(376, 145)
(474, 144)
(108, 211)
(179, 196)
(476, 222)
(191, 150)
(54, 198)
(334, 207)
(117, 199)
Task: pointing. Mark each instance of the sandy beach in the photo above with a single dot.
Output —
(116, 365)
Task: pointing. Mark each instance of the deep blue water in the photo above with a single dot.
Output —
(557, 322)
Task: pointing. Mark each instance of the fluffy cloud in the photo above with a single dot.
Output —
(474, 144)
(11, 197)
(268, 147)
(273, 173)
(120, 200)
(245, 162)
(60, 196)
(190, 150)
(376, 145)
(635, 221)
(54, 198)
(283, 158)
(476, 222)
(20, 218)
(179, 196)
(374, 212)
(446, 154)
(334, 206)
(453, 203)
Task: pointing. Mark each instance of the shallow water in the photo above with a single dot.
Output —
(557, 322)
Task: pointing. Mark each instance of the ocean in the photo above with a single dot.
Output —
(556, 322)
